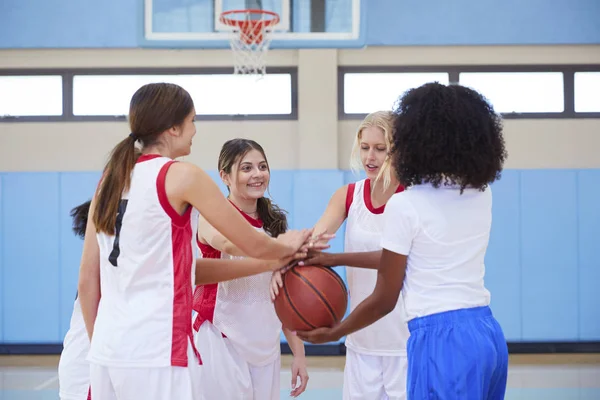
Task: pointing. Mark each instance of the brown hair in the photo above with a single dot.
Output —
(273, 218)
(154, 108)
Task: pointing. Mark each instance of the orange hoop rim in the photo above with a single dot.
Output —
(227, 20)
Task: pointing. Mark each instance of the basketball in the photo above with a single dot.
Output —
(311, 297)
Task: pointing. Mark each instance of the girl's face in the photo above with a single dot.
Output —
(249, 177)
(182, 142)
(373, 150)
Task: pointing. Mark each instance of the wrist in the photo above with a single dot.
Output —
(329, 259)
(337, 332)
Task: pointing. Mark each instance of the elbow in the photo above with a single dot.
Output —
(386, 305)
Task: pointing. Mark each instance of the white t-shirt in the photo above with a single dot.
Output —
(445, 235)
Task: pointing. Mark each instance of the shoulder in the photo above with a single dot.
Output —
(401, 204)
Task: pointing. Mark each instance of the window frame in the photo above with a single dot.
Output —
(568, 71)
(67, 94)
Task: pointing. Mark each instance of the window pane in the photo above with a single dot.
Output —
(587, 91)
(368, 92)
(30, 95)
(213, 94)
(519, 92)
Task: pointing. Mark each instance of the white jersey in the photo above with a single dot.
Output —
(147, 272)
(242, 310)
(364, 226)
(445, 235)
(73, 368)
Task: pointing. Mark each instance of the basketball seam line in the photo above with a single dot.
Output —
(317, 293)
(287, 295)
(337, 278)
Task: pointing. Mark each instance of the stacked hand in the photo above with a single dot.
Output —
(310, 245)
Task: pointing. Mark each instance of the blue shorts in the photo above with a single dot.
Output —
(459, 354)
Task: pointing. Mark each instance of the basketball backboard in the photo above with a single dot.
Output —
(301, 21)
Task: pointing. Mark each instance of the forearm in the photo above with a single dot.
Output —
(368, 260)
(295, 343)
(89, 298)
(369, 311)
(213, 270)
(231, 249)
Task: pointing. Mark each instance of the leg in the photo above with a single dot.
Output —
(266, 380)
(453, 355)
(180, 383)
(499, 378)
(225, 375)
(363, 377)
(394, 376)
(102, 385)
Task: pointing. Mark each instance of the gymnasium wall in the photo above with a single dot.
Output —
(119, 23)
(542, 266)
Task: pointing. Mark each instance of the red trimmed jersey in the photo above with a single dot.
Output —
(147, 271)
(241, 309)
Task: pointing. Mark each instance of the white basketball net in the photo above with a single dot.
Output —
(250, 43)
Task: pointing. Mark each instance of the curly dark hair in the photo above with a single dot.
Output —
(447, 134)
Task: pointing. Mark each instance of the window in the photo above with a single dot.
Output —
(22, 96)
(218, 94)
(368, 92)
(519, 92)
(587, 91)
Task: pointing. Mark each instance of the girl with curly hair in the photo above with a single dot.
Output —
(448, 148)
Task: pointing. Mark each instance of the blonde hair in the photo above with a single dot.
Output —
(383, 120)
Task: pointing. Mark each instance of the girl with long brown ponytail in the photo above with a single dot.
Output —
(138, 253)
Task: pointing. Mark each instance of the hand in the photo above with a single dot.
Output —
(294, 240)
(285, 263)
(299, 371)
(276, 283)
(318, 241)
(277, 278)
(319, 335)
(314, 257)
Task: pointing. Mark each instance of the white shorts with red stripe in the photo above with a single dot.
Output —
(227, 376)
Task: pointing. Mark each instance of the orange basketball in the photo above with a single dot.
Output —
(311, 297)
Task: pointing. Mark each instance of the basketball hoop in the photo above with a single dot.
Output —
(250, 38)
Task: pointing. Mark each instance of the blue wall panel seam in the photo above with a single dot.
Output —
(59, 266)
(577, 254)
(520, 249)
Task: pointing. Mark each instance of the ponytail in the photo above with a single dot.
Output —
(273, 218)
(116, 180)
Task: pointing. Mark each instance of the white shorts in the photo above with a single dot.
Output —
(227, 376)
(73, 367)
(368, 377)
(157, 383)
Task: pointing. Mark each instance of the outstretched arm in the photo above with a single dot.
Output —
(213, 270)
(390, 278)
(367, 259)
(208, 234)
(334, 215)
(187, 184)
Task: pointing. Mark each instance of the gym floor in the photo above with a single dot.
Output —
(531, 377)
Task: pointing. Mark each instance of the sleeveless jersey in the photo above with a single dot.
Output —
(364, 226)
(241, 309)
(147, 271)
